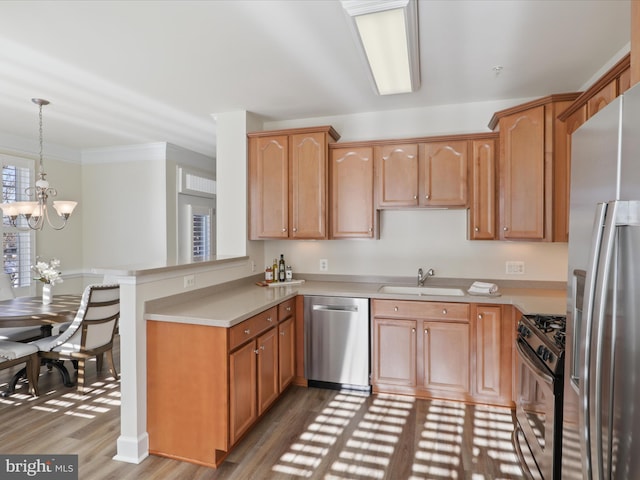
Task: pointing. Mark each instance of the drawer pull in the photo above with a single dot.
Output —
(413, 330)
(479, 316)
(282, 333)
(247, 331)
(269, 319)
(444, 311)
(288, 309)
(395, 309)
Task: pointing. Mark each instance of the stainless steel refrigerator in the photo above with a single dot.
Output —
(601, 414)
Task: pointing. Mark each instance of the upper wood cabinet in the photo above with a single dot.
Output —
(432, 174)
(396, 175)
(351, 191)
(288, 183)
(482, 186)
(532, 169)
(443, 174)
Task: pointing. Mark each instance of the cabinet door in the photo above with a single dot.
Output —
(243, 410)
(446, 356)
(493, 345)
(286, 353)
(397, 175)
(267, 369)
(443, 174)
(352, 214)
(394, 352)
(269, 187)
(482, 212)
(309, 186)
(522, 163)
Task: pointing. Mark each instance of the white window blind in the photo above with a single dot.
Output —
(18, 243)
(201, 235)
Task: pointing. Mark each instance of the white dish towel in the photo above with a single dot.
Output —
(483, 288)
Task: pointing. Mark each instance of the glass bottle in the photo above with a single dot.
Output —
(281, 269)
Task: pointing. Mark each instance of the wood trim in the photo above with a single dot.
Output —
(613, 73)
(558, 97)
(334, 136)
(635, 42)
(436, 138)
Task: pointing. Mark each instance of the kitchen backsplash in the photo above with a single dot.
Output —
(433, 239)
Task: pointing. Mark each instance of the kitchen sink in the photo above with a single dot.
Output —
(404, 290)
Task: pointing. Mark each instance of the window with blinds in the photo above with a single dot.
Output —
(18, 242)
(201, 235)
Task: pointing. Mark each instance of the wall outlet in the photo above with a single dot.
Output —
(189, 281)
(324, 265)
(515, 267)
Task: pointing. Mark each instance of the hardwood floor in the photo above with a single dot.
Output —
(308, 434)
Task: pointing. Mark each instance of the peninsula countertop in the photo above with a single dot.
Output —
(225, 306)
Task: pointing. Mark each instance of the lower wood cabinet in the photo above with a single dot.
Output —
(207, 386)
(394, 352)
(446, 356)
(444, 350)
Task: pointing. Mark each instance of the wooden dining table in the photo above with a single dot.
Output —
(30, 311)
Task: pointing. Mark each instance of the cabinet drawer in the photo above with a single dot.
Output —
(286, 309)
(251, 327)
(412, 309)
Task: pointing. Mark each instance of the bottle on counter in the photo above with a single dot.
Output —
(288, 274)
(281, 269)
(275, 270)
(268, 274)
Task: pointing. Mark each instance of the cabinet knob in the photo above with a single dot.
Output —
(413, 330)
(288, 309)
(295, 229)
(505, 229)
(395, 309)
(479, 316)
(444, 311)
(269, 319)
(261, 347)
(256, 351)
(427, 196)
(282, 333)
(426, 330)
(477, 229)
(415, 197)
(370, 229)
(247, 331)
(284, 230)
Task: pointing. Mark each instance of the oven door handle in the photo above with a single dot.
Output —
(533, 363)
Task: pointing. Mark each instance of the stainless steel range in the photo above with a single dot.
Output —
(540, 372)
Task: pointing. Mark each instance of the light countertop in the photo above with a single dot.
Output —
(225, 307)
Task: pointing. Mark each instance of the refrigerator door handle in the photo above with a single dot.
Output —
(587, 321)
(599, 308)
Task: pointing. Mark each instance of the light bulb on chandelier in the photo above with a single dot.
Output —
(36, 212)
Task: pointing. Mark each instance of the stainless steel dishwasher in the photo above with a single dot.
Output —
(336, 344)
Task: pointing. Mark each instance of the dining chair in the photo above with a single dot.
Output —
(16, 353)
(15, 334)
(90, 335)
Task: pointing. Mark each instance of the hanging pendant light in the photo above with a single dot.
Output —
(35, 212)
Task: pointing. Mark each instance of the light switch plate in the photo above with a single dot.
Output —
(189, 281)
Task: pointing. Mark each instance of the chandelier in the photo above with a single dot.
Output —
(35, 212)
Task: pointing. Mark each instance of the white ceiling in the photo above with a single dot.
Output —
(131, 72)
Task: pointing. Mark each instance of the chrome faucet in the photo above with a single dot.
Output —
(422, 277)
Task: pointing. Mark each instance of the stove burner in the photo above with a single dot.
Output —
(559, 337)
(549, 323)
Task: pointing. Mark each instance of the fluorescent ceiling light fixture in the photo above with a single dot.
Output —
(387, 31)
